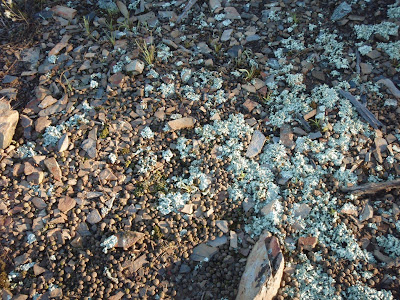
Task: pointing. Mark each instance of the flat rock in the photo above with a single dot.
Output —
(39, 203)
(116, 79)
(250, 105)
(64, 11)
(59, 46)
(231, 13)
(53, 167)
(89, 145)
(94, 217)
(65, 204)
(264, 269)
(107, 174)
(233, 239)
(182, 123)
(214, 4)
(226, 35)
(203, 252)
(256, 144)
(286, 136)
(9, 79)
(41, 123)
(390, 85)
(307, 243)
(8, 123)
(222, 225)
(136, 67)
(219, 241)
(341, 11)
(36, 177)
(127, 239)
(366, 213)
(63, 143)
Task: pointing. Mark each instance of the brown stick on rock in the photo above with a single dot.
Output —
(371, 188)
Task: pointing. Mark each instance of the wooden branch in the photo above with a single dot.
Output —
(373, 187)
(362, 110)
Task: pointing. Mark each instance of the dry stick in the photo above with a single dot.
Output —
(372, 188)
(186, 11)
(362, 110)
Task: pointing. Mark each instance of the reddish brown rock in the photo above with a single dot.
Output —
(264, 269)
(8, 122)
(66, 203)
(307, 243)
(64, 11)
(250, 105)
(182, 123)
(41, 124)
(53, 167)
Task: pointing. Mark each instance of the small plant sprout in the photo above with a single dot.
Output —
(147, 51)
(250, 74)
(111, 37)
(86, 25)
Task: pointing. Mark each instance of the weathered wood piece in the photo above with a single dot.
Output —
(371, 188)
(362, 110)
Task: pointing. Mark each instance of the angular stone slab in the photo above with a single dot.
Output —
(8, 123)
(264, 269)
(182, 123)
(203, 252)
(256, 144)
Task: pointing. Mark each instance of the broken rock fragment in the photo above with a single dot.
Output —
(53, 167)
(8, 123)
(256, 144)
(182, 123)
(264, 269)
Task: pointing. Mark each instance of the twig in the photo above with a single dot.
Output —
(362, 110)
(186, 11)
(372, 188)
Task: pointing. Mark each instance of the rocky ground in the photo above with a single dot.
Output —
(146, 145)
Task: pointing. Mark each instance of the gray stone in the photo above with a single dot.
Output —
(136, 67)
(367, 213)
(264, 269)
(286, 136)
(222, 225)
(253, 38)
(219, 241)
(9, 79)
(390, 85)
(226, 35)
(256, 144)
(214, 4)
(89, 145)
(63, 143)
(365, 68)
(203, 252)
(341, 11)
(94, 217)
(315, 135)
(41, 124)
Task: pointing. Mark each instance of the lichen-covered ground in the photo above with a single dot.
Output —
(153, 150)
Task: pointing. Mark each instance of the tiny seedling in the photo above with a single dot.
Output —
(86, 24)
(250, 74)
(111, 37)
(147, 51)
